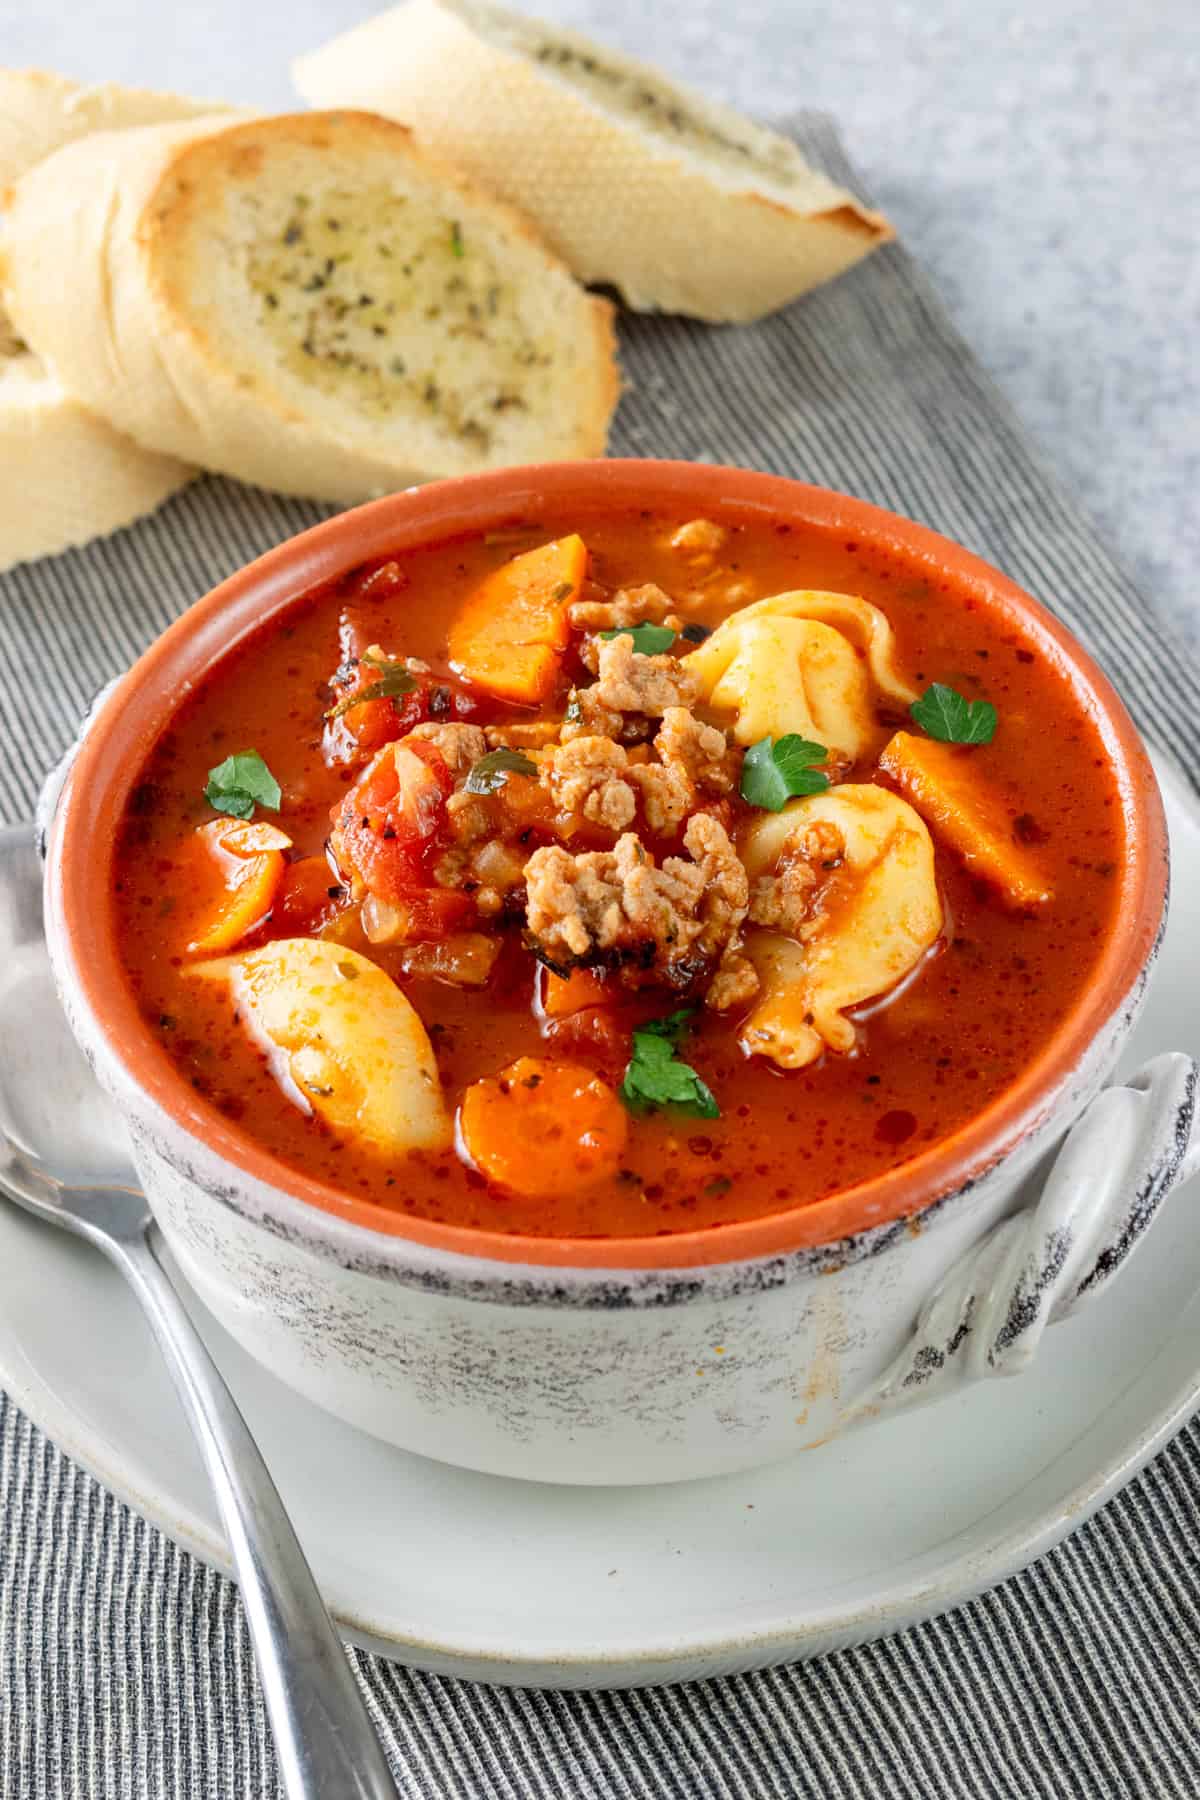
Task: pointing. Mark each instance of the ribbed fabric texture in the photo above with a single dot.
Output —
(125, 1670)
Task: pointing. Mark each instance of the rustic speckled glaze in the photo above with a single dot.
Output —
(645, 1360)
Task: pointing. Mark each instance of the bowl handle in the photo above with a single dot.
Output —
(1119, 1161)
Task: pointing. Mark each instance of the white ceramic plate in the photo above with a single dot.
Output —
(566, 1587)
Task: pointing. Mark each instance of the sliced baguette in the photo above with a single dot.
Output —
(71, 477)
(41, 111)
(680, 203)
(306, 302)
(68, 476)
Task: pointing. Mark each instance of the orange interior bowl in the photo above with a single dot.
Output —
(127, 726)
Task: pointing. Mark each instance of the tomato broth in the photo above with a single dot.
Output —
(978, 1004)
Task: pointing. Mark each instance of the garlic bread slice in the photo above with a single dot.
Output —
(636, 180)
(306, 302)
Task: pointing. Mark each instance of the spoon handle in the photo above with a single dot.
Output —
(324, 1740)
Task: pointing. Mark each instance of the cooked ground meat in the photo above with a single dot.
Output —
(597, 779)
(479, 859)
(589, 777)
(781, 901)
(668, 795)
(647, 604)
(629, 682)
(469, 817)
(735, 982)
(631, 692)
(700, 539)
(587, 716)
(375, 653)
(460, 746)
(784, 900)
(700, 750)
(618, 907)
(694, 760)
(522, 734)
(726, 888)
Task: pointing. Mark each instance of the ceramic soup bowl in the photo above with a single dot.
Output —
(663, 1358)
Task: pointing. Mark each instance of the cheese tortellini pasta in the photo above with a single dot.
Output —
(342, 1040)
(802, 662)
(876, 913)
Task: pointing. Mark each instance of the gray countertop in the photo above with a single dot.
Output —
(1042, 162)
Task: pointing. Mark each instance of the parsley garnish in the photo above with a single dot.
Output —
(386, 665)
(397, 680)
(656, 1077)
(240, 783)
(493, 770)
(648, 640)
(457, 247)
(777, 769)
(948, 716)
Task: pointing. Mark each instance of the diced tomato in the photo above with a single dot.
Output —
(309, 897)
(379, 581)
(391, 823)
(598, 1034)
(557, 996)
(422, 915)
(365, 728)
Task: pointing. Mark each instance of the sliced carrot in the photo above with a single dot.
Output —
(956, 801)
(510, 635)
(249, 861)
(564, 994)
(543, 1128)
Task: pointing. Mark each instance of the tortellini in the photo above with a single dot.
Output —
(876, 915)
(342, 1039)
(802, 662)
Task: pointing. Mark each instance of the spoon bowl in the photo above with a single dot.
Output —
(64, 1158)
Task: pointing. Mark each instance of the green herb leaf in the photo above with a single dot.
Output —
(386, 665)
(656, 1077)
(775, 770)
(493, 770)
(673, 1027)
(400, 681)
(951, 718)
(574, 712)
(648, 640)
(457, 247)
(240, 783)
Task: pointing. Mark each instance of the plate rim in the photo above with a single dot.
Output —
(959, 1578)
(899, 1606)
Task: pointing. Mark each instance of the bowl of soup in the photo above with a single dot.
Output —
(583, 951)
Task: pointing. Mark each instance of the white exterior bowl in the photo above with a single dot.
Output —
(554, 1369)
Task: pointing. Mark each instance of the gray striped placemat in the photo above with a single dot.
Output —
(124, 1665)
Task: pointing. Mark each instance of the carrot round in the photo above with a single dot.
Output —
(510, 635)
(249, 862)
(543, 1128)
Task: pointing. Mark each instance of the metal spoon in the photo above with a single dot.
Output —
(62, 1158)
